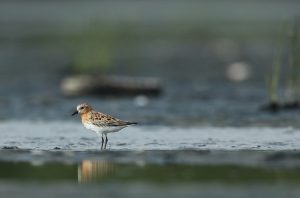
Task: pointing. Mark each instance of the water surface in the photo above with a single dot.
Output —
(73, 136)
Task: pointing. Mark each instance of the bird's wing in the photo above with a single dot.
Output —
(101, 119)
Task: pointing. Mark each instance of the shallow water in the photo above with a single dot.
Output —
(145, 161)
(72, 136)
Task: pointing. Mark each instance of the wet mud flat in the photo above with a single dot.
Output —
(175, 173)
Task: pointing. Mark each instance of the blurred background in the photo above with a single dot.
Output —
(211, 58)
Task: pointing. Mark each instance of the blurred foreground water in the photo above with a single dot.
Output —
(174, 173)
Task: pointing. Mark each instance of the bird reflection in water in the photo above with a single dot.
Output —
(90, 171)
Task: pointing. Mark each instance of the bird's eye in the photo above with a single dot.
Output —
(81, 107)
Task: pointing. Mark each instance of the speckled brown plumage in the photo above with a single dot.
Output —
(101, 119)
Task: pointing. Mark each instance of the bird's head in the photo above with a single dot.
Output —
(82, 109)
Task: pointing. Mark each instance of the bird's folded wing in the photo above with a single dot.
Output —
(101, 119)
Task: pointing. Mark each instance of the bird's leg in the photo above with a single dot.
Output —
(106, 140)
(102, 142)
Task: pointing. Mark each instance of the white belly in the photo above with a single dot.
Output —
(103, 129)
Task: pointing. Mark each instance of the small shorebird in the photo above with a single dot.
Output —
(99, 122)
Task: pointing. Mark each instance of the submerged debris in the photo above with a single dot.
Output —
(77, 85)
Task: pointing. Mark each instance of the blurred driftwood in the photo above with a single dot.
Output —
(77, 85)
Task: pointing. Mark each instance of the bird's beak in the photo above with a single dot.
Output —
(76, 112)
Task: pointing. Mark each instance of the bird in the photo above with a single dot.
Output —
(99, 122)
